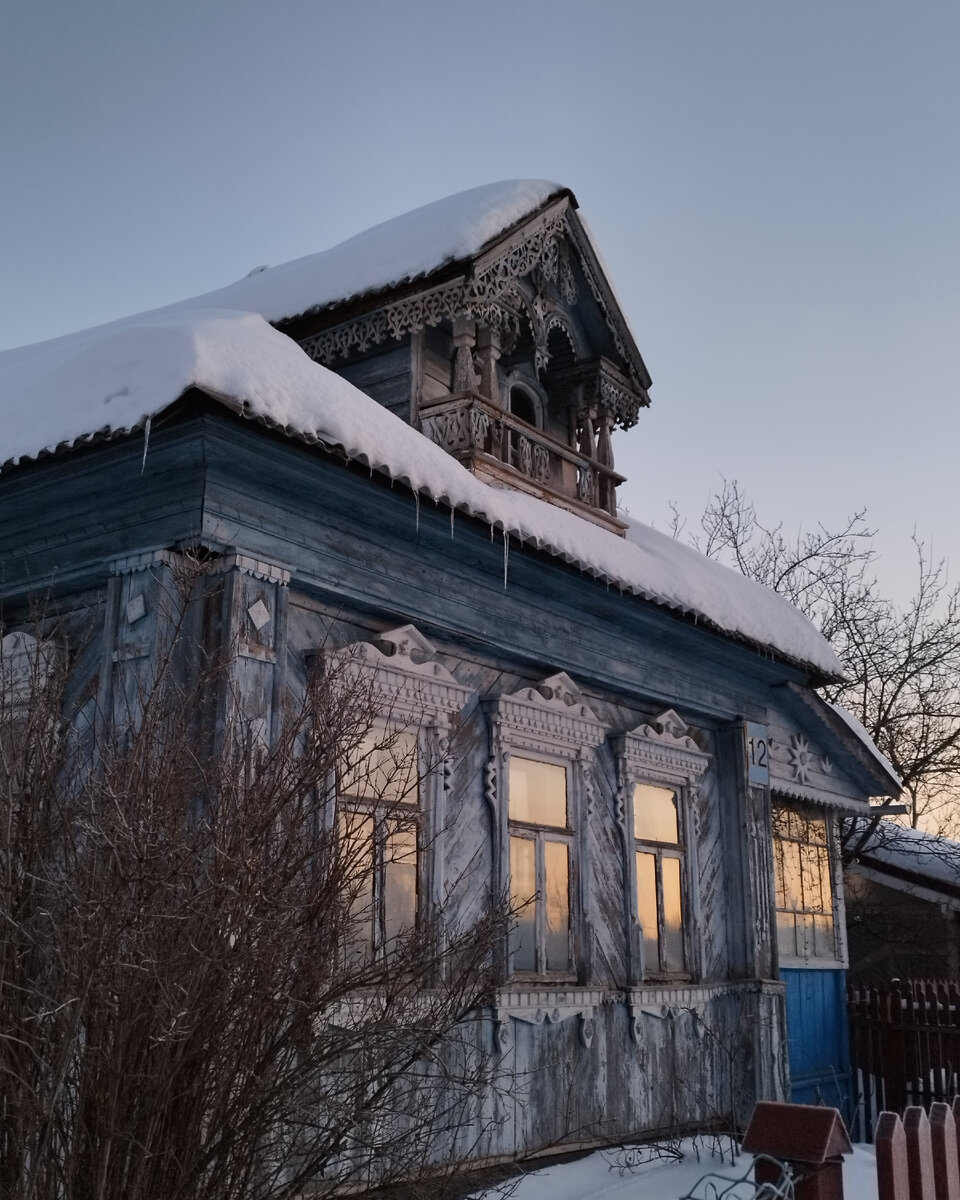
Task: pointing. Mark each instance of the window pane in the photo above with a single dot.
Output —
(356, 860)
(788, 860)
(672, 916)
(787, 933)
(399, 882)
(647, 909)
(824, 944)
(538, 792)
(655, 814)
(805, 943)
(383, 767)
(556, 863)
(523, 891)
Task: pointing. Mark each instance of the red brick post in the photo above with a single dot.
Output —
(943, 1138)
(919, 1154)
(890, 1142)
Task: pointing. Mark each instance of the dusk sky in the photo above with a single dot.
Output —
(775, 188)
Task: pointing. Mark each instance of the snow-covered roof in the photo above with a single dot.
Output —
(397, 251)
(913, 851)
(116, 378)
(861, 733)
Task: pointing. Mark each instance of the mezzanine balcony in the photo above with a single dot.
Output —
(504, 450)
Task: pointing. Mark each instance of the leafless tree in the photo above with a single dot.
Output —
(191, 1004)
(902, 663)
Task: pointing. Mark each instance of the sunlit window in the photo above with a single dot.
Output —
(804, 888)
(379, 821)
(659, 851)
(540, 845)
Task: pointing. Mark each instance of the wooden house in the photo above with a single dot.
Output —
(902, 900)
(404, 447)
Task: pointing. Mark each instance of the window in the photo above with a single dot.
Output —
(522, 404)
(539, 790)
(659, 767)
(659, 860)
(804, 886)
(379, 821)
(539, 866)
(390, 795)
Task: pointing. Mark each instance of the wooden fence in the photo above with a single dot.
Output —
(904, 1047)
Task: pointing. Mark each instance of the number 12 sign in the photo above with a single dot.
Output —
(757, 748)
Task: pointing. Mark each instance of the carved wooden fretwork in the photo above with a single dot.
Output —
(544, 245)
(550, 718)
(536, 1006)
(476, 296)
(607, 390)
(498, 446)
(661, 750)
(408, 679)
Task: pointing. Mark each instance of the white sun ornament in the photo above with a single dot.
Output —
(801, 757)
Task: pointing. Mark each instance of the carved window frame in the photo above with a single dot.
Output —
(799, 812)
(548, 722)
(25, 663)
(413, 691)
(663, 754)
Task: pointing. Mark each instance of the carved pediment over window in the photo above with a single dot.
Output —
(404, 672)
(549, 717)
(663, 747)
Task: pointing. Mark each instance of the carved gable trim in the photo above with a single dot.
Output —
(544, 243)
(407, 678)
(549, 718)
(663, 748)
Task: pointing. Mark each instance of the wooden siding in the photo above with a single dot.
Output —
(384, 374)
(335, 555)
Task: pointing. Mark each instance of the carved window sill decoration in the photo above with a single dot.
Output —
(545, 1006)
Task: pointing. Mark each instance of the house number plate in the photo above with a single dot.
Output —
(757, 747)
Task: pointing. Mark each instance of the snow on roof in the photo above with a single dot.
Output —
(114, 379)
(862, 734)
(394, 252)
(928, 854)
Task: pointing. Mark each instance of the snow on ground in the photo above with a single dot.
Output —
(118, 377)
(596, 1177)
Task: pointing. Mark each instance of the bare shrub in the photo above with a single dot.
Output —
(191, 1002)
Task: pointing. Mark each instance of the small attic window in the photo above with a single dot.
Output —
(523, 405)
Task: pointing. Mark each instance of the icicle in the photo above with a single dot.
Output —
(146, 443)
(491, 531)
(506, 557)
(452, 511)
(416, 501)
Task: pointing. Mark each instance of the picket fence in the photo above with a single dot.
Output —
(904, 1047)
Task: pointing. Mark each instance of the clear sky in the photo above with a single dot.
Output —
(774, 184)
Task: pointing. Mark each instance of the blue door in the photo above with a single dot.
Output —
(819, 1044)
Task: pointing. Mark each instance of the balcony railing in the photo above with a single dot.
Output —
(496, 445)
